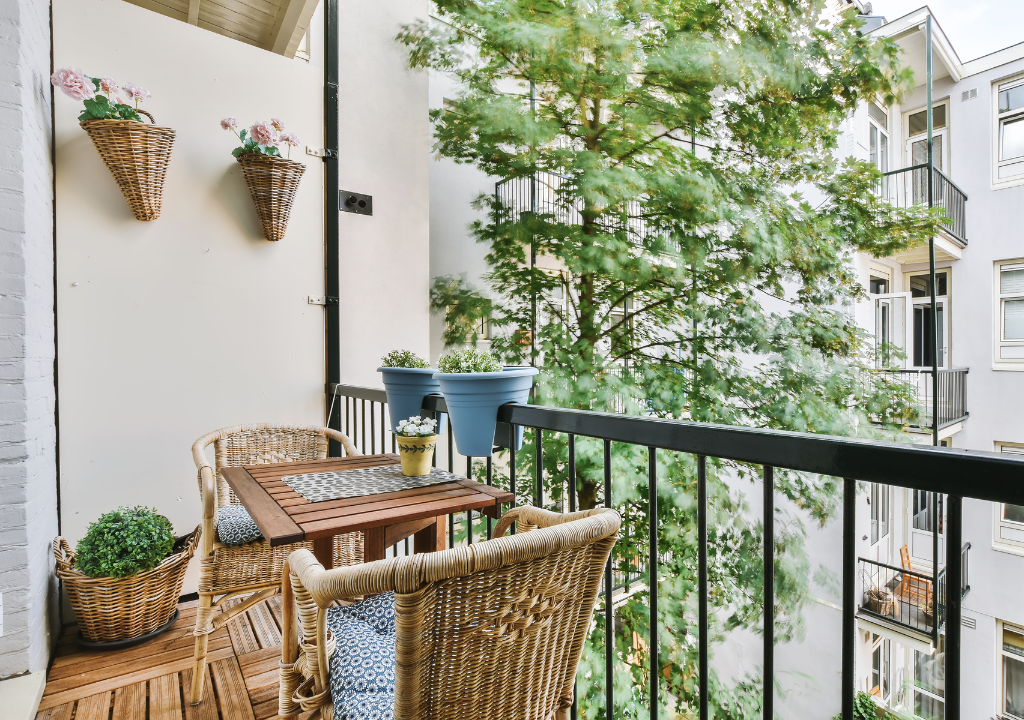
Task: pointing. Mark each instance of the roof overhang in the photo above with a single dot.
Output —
(910, 34)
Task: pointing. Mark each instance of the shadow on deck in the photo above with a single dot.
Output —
(152, 680)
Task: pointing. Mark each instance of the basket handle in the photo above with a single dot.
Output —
(143, 112)
(63, 555)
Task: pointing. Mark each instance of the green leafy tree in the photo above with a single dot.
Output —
(701, 230)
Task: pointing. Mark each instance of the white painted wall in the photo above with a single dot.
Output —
(28, 486)
(191, 322)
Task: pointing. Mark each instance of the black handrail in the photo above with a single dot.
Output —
(952, 394)
(997, 477)
(909, 186)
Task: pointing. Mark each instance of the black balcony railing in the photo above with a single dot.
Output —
(952, 393)
(909, 598)
(909, 186)
(994, 477)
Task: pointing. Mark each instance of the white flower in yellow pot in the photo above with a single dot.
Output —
(417, 440)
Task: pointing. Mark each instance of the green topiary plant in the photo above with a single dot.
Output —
(403, 359)
(125, 542)
(468, 360)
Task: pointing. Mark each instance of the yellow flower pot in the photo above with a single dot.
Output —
(417, 454)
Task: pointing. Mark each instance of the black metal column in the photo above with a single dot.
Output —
(332, 221)
(702, 559)
(768, 690)
(954, 600)
(849, 595)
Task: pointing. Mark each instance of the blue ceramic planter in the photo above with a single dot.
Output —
(473, 400)
(406, 388)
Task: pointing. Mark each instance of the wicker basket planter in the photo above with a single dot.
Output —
(272, 183)
(137, 155)
(115, 611)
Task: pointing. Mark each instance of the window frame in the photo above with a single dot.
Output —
(946, 303)
(1002, 655)
(883, 161)
(999, 313)
(1013, 547)
(880, 492)
(940, 135)
(997, 135)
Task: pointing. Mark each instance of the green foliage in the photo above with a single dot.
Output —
(468, 360)
(864, 708)
(702, 230)
(101, 108)
(403, 359)
(125, 542)
(251, 147)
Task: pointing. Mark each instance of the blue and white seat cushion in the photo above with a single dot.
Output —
(363, 664)
(235, 526)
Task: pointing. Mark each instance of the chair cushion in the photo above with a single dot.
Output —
(363, 664)
(235, 526)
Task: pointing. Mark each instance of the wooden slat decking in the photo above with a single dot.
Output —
(150, 681)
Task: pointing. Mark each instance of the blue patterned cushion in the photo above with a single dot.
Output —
(235, 527)
(363, 665)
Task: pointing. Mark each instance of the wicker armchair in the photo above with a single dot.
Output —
(254, 568)
(490, 630)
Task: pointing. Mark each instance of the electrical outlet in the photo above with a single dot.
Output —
(354, 202)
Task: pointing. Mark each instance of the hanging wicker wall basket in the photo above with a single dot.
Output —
(113, 612)
(137, 155)
(272, 183)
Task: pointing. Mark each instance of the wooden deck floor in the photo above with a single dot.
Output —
(151, 681)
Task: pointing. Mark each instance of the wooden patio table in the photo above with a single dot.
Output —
(285, 517)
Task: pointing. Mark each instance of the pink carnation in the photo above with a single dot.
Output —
(263, 133)
(108, 85)
(278, 125)
(229, 123)
(74, 83)
(135, 92)
(290, 139)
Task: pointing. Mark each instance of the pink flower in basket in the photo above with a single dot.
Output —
(263, 133)
(74, 83)
(229, 123)
(108, 85)
(135, 92)
(278, 125)
(290, 139)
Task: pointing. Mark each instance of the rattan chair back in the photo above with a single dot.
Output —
(491, 630)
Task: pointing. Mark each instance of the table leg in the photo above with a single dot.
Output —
(373, 544)
(323, 550)
(432, 538)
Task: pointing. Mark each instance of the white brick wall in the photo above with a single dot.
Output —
(28, 495)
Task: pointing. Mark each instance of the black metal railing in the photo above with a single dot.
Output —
(906, 597)
(995, 477)
(909, 186)
(952, 393)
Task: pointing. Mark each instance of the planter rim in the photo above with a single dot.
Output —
(191, 540)
(416, 437)
(511, 371)
(268, 158)
(418, 371)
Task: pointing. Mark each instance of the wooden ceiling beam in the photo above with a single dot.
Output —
(294, 14)
(193, 12)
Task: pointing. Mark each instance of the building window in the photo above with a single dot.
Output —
(1008, 528)
(878, 143)
(929, 685)
(1012, 653)
(1009, 311)
(880, 668)
(921, 296)
(879, 512)
(1010, 131)
(925, 510)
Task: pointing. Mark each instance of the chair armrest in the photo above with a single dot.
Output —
(539, 517)
(346, 443)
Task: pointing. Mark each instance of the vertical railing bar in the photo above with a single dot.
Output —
(373, 438)
(702, 560)
(512, 472)
(849, 595)
(383, 424)
(768, 706)
(451, 530)
(469, 513)
(954, 598)
(490, 481)
(609, 640)
(652, 574)
(362, 424)
(538, 438)
(451, 448)
(572, 473)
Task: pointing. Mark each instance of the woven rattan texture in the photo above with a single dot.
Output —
(495, 629)
(137, 155)
(110, 609)
(272, 183)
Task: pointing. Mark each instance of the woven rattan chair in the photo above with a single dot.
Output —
(254, 568)
(490, 630)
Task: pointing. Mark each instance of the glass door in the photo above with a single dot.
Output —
(893, 318)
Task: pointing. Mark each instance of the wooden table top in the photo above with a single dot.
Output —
(285, 517)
